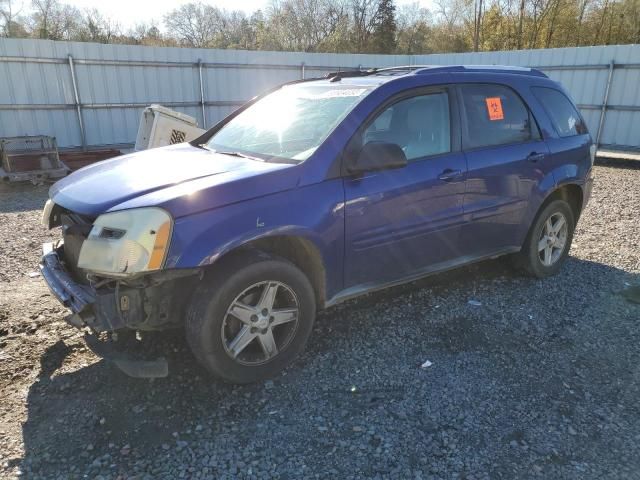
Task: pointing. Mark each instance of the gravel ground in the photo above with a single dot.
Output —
(541, 380)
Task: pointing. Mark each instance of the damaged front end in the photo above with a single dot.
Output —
(152, 301)
(149, 302)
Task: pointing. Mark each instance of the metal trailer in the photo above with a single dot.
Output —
(32, 158)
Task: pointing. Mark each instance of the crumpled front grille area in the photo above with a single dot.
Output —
(75, 229)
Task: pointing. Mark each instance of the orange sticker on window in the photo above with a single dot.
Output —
(494, 108)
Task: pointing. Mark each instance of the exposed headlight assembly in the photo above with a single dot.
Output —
(128, 242)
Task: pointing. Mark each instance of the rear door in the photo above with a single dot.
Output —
(570, 147)
(400, 222)
(505, 153)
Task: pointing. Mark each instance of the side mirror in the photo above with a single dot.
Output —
(376, 156)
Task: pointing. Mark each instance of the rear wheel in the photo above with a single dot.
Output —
(251, 319)
(549, 240)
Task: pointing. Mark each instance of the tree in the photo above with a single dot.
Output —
(11, 25)
(355, 26)
(363, 22)
(450, 35)
(54, 20)
(237, 31)
(203, 26)
(384, 31)
(303, 25)
(413, 30)
(477, 24)
(147, 34)
(193, 24)
(94, 27)
(521, 15)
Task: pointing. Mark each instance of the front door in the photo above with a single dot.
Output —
(401, 222)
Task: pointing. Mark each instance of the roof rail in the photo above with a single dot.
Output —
(422, 69)
(483, 68)
(410, 68)
(336, 76)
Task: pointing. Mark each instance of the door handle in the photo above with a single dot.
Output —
(535, 157)
(449, 174)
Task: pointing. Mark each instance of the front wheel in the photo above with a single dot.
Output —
(549, 240)
(251, 319)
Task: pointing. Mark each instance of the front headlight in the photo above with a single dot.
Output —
(127, 242)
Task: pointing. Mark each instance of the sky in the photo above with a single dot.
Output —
(130, 12)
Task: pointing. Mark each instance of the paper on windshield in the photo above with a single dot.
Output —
(334, 93)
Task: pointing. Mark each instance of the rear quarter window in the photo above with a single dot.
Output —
(564, 116)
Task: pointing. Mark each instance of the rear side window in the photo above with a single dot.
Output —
(419, 125)
(564, 116)
(496, 116)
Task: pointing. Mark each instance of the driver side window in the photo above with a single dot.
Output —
(419, 125)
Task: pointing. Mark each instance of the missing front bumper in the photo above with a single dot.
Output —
(86, 305)
(154, 302)
(70, 293)
(100, 313)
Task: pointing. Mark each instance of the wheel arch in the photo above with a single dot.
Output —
(297, 249)
(570, 192)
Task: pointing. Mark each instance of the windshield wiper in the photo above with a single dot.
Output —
(232, 153)
(235, 153)
(238, 154)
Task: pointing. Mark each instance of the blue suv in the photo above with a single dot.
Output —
(314, 193)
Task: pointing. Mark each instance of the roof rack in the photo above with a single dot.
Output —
(422, 69)
(336, 76)
(403, 67)
(482, 68)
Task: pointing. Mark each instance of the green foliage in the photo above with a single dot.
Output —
(384, 30)
(353, 26)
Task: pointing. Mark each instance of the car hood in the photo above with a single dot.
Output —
(153, 177)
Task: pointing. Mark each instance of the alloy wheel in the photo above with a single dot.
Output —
(260, 322)
(553, 239)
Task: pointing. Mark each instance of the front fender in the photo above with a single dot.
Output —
(313, 212)
(297, 231)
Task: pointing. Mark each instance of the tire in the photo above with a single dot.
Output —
(238, 347)
(540, 263)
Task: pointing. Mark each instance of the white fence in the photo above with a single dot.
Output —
(88, 95)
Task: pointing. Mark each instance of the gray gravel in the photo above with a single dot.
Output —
(533, 379)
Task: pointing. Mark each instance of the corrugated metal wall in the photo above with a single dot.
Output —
(114, 83)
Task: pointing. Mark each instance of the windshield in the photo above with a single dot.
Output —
(289, 123)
